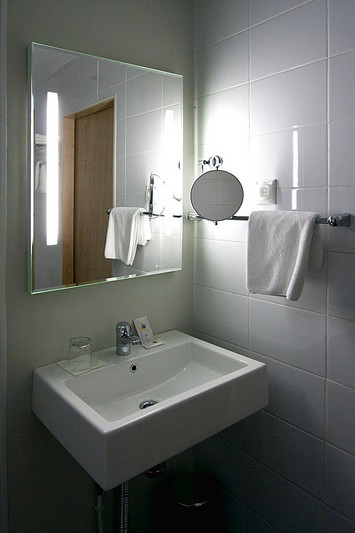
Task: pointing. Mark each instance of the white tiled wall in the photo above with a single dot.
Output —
(275, 98)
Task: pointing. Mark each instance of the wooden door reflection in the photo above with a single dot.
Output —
(88, 156)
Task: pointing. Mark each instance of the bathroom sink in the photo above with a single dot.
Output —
(136, 411)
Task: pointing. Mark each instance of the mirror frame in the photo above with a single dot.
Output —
(31, 263)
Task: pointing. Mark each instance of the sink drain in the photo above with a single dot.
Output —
(147, 403)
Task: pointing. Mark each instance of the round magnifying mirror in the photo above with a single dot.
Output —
(216, 195)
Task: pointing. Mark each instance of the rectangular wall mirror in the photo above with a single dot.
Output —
(104, 134)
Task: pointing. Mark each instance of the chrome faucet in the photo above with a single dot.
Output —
(123, 338)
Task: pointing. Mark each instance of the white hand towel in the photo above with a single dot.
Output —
(281, 245)
(122, 233)
(40, 139)
(144, 231)
(40, 177)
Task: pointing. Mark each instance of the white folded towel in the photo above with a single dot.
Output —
(126, 229)
(281, 245)
(144, 231)
(40, 139)
(41, 177)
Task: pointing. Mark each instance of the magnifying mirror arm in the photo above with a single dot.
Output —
(151, 194)
(214, 162)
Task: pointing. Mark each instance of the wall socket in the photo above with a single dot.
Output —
(266, 192)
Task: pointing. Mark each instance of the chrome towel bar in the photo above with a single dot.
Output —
(344, 219)
(153, 215)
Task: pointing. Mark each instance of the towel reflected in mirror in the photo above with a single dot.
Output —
(127, 228)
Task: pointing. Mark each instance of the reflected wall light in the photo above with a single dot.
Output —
(52, 208)
(170, 167)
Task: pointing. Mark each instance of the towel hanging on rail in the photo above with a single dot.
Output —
(126, 229)
(41, 177)
(281, 246)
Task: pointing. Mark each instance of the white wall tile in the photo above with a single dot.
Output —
(120, 184)
(136, 199)
(216, 20)
(342, 200)
(223, 344)
(235, 512)
(144, 93)
(223, 66)
(341, 153)
(223, 119)
(341, 416)
(172, 90)
(221, 314)
(257, 525)
(292, 453)
(133, 71)
(78, 80)
(171, 251)
(144, 133)
(341, 26)
(139, 167)
(221, 265)
(340, 481)
(341, 86)
(341, 342)
(291, 99)
(238, 434)
(296, 158)
(261, 10)
(310, 199)
(149, 258)
(111, 77)
(341, 285)
(121, 138)
(290, 40)
(305, 199)
(288, 507)
(223, 129)
(290, 335)
(296, 396)
(226, 230)
(226, 463)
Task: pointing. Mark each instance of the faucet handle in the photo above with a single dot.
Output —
(124, 330)
(123, 338)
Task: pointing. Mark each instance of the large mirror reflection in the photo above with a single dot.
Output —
(106, 188)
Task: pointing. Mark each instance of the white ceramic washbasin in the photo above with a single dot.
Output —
(200, 389)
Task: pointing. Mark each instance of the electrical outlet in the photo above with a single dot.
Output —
(266, 192)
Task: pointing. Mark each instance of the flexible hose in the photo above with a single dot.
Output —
(124, 508)
(99, 509)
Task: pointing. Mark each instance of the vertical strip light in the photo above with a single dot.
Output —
(169, 167)
(52, 169)
(295, 168)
